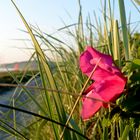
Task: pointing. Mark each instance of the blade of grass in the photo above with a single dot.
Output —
(43, 117)
(44, 66)
(124, 28)
(61, 136)
(125, 133)
(80, 31)
(12, 130)
(65, 61)
(116, 42)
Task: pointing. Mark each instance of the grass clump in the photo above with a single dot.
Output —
(52, 96)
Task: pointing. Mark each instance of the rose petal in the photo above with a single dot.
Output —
(110, 88)
(106, 59)
(91, 106)
(107, 90)
(85, 65)
(88, 60)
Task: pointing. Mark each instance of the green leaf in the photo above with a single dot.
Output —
(136, 64)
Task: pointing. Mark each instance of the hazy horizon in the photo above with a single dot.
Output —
(48, 15)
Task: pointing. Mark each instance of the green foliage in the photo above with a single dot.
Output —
(59, 97)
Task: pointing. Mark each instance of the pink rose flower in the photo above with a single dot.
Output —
(105, 68)
(109, 82)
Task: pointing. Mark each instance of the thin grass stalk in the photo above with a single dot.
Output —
(26, 91)
(116, 41)
(38, 132)
(12, 130)
(113, 129)
(76, 102)
(121, 127)
(62, 92)
(138, 2)
(48, 98)
(111, 18)
(104, 7)
(117, 131)
(105, 133)
(14, 118)
(80, 31)
(91, 33)
(106, 32)
(42, 60)
(64, 76)
(67, 85)
(43, 117)
(98, 28)
(125, 133)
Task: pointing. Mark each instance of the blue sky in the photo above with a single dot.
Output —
(48, 14)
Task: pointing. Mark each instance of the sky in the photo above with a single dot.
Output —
(49, 16)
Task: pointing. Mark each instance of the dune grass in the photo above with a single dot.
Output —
(58, 100)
